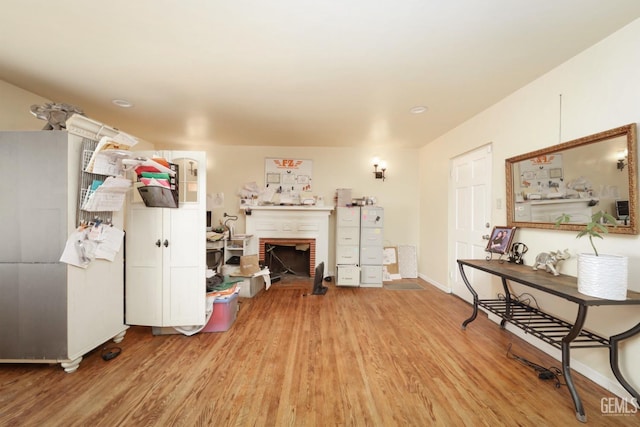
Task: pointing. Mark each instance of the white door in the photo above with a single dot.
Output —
(470, 195)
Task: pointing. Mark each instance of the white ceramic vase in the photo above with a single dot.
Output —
(603, 276)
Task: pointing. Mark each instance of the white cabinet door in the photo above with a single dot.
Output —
(143, 260)
(184, 260)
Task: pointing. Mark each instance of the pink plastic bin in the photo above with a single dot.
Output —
(224, 314)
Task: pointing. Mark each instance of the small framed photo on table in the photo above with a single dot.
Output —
(500, 240)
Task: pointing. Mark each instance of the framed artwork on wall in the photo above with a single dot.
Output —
(288, 174)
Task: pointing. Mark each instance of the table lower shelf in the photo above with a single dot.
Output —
(541, 325)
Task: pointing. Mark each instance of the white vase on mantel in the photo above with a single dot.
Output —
(603, 276)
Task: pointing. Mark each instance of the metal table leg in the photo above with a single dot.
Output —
(566, 361)
(475, 298)
(507, 300)
(613, 359)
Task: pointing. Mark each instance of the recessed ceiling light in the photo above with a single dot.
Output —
(419, 109)
(122, 103)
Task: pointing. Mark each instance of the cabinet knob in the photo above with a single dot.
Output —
(158, 243)
(166, 243)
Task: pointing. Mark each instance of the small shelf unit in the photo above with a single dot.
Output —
(235, 247)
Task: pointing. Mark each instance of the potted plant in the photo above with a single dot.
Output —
(600, 275)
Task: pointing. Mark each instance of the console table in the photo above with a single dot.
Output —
(550, 329)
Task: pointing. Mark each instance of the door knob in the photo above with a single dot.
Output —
(166, 243)
(485, 237)
(158, 243)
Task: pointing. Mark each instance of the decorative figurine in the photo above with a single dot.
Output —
(516, 255)
(548, 260)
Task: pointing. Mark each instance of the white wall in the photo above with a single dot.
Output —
(15, 106)
(600, 90)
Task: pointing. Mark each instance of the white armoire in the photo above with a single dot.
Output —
(51, 311)
(165, 256)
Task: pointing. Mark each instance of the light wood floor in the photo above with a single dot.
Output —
(354, 357)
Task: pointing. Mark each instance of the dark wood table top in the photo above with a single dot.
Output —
(562, 286)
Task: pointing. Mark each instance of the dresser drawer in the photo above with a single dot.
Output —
(371, 276)
(372, 217)
(371, 255)
(348, 236)
(348, 217)
(371, 237)
(347, 275)
(346, 254)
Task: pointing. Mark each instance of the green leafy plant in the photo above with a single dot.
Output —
(595, 228)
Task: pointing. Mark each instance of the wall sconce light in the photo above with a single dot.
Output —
(622, 156)
(379, 174)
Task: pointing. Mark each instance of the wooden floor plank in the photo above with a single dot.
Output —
(354, 357)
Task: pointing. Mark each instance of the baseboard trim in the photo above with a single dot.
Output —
(435, 283)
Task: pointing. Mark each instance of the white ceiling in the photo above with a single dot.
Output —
(293, 72)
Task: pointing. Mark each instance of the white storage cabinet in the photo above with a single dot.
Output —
(50, 311)
(165, 282)
(236, 247)
(371, 246)
(347, 246)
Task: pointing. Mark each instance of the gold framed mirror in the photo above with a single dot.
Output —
(580, 177)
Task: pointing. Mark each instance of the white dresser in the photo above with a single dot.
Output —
(359, 246)
(348, 246)
(371, 245)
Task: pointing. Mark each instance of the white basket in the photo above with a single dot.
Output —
(603, 276)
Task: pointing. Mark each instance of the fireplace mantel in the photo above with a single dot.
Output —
(275, 208)
(290, 222)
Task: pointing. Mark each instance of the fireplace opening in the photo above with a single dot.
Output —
(289, 256)
(291, 259)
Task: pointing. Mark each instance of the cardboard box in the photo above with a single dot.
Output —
(249, 265)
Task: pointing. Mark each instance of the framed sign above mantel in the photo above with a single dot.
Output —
(283, 174)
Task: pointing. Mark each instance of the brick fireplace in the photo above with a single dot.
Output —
(264, 241)
(291, 225)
